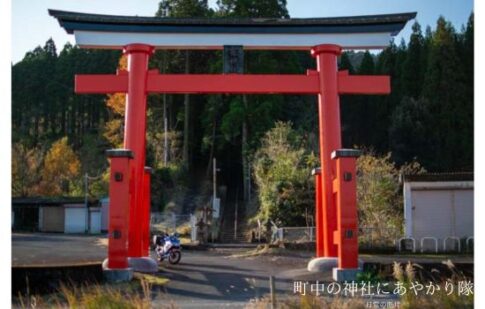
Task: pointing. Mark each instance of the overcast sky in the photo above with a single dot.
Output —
(32, 26)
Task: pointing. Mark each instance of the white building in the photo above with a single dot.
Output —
(438, 210)
(57, 215)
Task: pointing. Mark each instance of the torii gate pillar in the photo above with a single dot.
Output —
(330, 139)
(335, 207)
(135, 140)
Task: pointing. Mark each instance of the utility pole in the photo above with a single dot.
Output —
(235, 215)
(216, 204)
(86, 203)
(165, 117)
(249, 181)
(214, 179)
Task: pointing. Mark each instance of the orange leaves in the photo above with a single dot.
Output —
(117, 101)
(113, 129)
(61, 165)
(113, 132)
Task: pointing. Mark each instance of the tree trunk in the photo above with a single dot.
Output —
(244, 152)
(166, 151)
(187, 118)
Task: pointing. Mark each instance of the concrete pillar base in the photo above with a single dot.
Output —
(143, 264)
(341, 275)
(322, 264)
(116, 275)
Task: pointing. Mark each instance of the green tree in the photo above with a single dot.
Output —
(281, 165)
(409, 131)
(253, 8)
(415, 64)
(183, 9)
(249, 117)
(444, 87)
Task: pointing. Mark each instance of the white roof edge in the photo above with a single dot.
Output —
(116, 40)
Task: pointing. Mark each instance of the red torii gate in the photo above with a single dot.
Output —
(326, 81)
(336, 212)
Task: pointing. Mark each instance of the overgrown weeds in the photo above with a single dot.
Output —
(444, 294)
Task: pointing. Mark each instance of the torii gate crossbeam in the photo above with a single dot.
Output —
(232, 83)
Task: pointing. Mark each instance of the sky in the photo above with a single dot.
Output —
(32, 26)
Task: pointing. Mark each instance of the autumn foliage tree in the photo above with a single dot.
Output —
(26, 166)
(113, 129)
(379, 196)
(61, 167)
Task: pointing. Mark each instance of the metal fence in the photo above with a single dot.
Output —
(296, 234)
(369, 237)
(389, 239)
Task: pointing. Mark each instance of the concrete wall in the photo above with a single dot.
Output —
(51, 219)
(104, 213)
(94, 220)
(439, 210)
(75, 218)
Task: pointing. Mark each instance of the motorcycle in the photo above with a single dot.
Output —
(168, 246)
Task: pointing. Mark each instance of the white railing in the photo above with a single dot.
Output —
(468, 243)
(456, 239)
(400, 240)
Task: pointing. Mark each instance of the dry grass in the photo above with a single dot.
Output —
(134, 295)
(310, 302)
(184, 229)
(440, 298)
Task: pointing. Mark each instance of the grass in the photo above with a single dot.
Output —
(440, 298)
(310, 302)
(154, 280)
(136, 294)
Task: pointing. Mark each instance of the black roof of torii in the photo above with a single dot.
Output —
(111, 31)
(71, 21)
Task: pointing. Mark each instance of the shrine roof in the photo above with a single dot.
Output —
(105, 31)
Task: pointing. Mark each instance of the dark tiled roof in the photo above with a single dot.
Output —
(459, 176)
(18, 201)
(371, 23)
(350, 20)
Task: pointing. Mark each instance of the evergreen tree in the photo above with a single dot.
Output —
(452, 136)
(261, 110)
(409, 131)
(414, 65)
(253, 8)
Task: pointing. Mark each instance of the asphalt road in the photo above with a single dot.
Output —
(215, 278)
(209, 278)
(42, 249)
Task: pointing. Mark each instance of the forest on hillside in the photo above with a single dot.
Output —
(428, 117)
